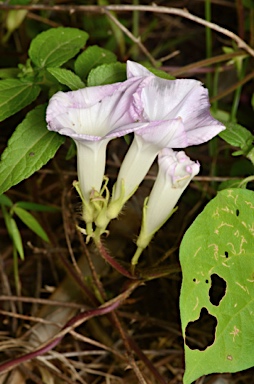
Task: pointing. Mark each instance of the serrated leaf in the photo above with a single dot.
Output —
(91, 58)
(107, 74)
(29, 148)
(30, 221)
(56, 46)
(236, 135)
(5, 200)
(67, 77)
(220, 242)
(15, 95)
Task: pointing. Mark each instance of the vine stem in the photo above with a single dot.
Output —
(106, 256)
(73, 323)
(142, 8)
(69, 326)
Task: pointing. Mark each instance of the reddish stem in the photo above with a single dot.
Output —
(74, 322)
(118, 267)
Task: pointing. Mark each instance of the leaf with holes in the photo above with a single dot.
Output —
(219, 247)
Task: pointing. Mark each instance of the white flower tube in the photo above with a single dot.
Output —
(176, 170)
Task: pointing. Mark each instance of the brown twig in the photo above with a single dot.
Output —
(142, 8)
(128, 33)
(40, 301)
(71, 324)
(206, 62)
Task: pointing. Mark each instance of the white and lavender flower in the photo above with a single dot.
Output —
(170, 113)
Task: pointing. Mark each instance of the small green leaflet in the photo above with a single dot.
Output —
(220, 243)
(237, 135)
(160, 73)
(29, 148)
(15, 95)
(56, 46)
(67, 77)
(107, 74)
(92, 57)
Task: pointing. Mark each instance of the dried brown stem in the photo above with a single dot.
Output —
(142, 8)
(206, 62)
(128, 33)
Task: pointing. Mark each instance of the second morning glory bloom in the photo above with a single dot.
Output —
(171, 113)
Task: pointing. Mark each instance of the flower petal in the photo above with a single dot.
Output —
(160, 134)
(71, 113)
(135, 69)
(169, 99)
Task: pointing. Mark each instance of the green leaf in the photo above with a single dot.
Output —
(230, 184)
(6, 73)
(29, 148)
(72, 151)
(35, 207)
(56, 46)
(107, 74)
(5, 200)
(160, 73)
(67, 77)
(236, 135)
(16, 238)
(92, 57)
(15, 95)
(248, 4)
(220, 244)
(13, 231)
(14, 19)
(19, 2)
(30, 221)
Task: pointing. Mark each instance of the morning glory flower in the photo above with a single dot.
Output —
(176, 170)
(170, 113)
(91, 117)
